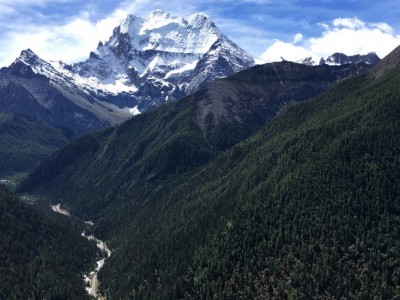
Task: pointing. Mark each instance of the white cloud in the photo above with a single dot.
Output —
(287, 51)
(70, 42)
(350, 23)
(347, 35)
(297, 38)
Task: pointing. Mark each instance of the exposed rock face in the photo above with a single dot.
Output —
(30, 94)
(390, 62)
(47, 95)
(253, 96)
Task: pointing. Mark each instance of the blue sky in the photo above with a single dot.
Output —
(268, 29)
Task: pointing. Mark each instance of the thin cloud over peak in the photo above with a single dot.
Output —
(346, 35)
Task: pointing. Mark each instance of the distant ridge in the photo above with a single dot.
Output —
(338, 59)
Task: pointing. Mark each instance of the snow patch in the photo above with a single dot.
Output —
(185, 68)
(57, 208)
(134, 111)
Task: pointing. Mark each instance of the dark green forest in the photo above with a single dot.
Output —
(307, 207)
(42, 255)
(150, 149)
(25, 142)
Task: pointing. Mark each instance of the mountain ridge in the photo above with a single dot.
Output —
(179, 53)
(341, 58)
(146, 62)
(211, 120)
(311, 193)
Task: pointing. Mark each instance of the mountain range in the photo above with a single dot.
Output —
(210, 120)
(146, 62)
(340, 59)
(274, 181)
(202, 199)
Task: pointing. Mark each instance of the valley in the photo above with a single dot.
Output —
(221, 215)
(170, 165)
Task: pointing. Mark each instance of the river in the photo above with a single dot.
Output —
(91, 280)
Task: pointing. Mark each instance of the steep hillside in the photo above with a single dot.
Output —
(177, 137)
(310, 206)
(32, 87)
(306, 208)
(25, 142)
(390, 62)
(41, 256)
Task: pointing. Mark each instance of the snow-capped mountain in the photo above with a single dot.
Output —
(33, 87)
(338, 59)
(162, 57)
(146, 62)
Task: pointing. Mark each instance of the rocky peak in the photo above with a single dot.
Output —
(308, 61)
(164, 56)
(28, 57)
(24, 65)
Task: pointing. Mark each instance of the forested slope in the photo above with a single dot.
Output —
(136, 157)
(41, 257)
(25, 142)
(308, 207)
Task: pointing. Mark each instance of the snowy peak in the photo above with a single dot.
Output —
(146, 62)
(28, 56)
(162, 31)
(338, 59)
(28, 63)
(342, 59)
(164, 56)
(308, 61)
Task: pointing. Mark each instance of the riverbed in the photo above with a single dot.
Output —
(91, 280)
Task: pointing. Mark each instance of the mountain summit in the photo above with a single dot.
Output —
(163, 57)
(146, 62)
